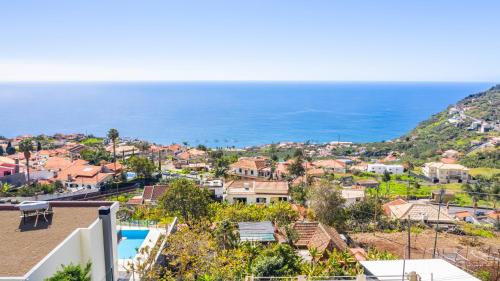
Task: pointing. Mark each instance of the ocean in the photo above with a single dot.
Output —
(226, 113)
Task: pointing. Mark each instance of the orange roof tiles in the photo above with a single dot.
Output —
(253, 163)
(57, 163)
(329, 164)
(153, 193)
(386, 206)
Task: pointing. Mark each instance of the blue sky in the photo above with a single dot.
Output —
(455, 40)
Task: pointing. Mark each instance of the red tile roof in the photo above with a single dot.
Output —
(386, 206)
(462, 214)
(254, 163)
(329, 164)
(319, 236)
(153, 193)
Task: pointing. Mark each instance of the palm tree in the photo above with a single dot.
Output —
(113, 136)
(72, 272)
(26, 146)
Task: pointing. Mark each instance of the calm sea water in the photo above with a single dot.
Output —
(226, 114)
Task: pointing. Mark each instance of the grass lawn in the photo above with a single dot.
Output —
(398, 188)
(92, 141)
(485, 172)
(395, 189)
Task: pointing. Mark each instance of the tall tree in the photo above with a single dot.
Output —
(327, 203)
(296, 168)
(226, 235)
(10, 149)
(2, 152)
(113, 135)
(38, 146)
(26, 146)
(186, 199)
(142, 166)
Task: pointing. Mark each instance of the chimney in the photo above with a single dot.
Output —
(107, 234)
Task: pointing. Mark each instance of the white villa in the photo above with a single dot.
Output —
(445, 173)
(34, 248)
(382, 168)
(256, 192)
(251, 167)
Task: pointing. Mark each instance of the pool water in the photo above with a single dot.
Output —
(131, 241)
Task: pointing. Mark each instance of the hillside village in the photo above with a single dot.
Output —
(276, 210)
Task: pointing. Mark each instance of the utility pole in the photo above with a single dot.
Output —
(159, 160)
(441, 192)
(409, 237)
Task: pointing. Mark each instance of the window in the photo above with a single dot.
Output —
(240, 199)
(261, 200)
(251, 172)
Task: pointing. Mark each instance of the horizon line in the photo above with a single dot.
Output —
(247, 81)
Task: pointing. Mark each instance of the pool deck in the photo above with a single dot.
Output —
(150, 240)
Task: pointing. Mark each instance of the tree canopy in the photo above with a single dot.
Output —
(10, 149)
(142, 166)
(327, 203)
(185, 198)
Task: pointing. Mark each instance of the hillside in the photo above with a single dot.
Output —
(468, 127)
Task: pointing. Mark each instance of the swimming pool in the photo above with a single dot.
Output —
(132, 240)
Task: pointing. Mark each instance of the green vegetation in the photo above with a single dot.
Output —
(26, 146)
(296, 168)
(10, 150)
(484, 172)
(207, 247)
(92, 141)
(29, 190)
(211, 250)
(326, 202)
(222, 160)
(72, 273)
(279, 212)
(183, 198)
(435, 135)
(474, 230)
(95, 155)
(142, 166)
(374, 255)
(488, 158)
(113, 135)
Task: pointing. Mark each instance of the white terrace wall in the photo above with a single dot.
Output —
(82, 246)
(67, 252)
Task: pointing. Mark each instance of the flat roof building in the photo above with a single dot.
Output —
(426, 269)
(74, 232)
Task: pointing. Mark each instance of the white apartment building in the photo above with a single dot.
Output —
(445, 173)
(251, 167)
